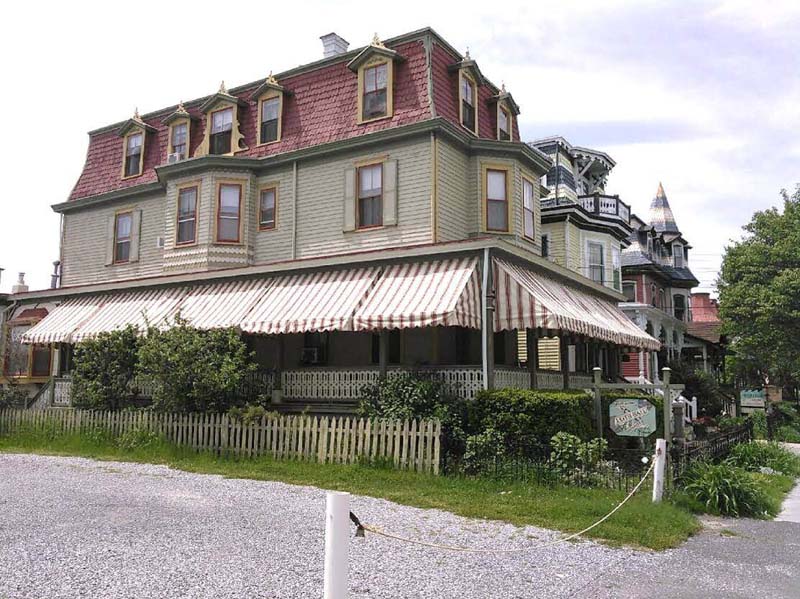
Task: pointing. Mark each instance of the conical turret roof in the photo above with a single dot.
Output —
(661, 217)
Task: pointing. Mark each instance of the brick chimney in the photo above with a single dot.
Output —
(333, 45)
(20, 286)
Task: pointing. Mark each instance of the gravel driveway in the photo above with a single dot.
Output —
(71, 527)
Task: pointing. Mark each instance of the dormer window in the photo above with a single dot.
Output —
(221, 128)
(503, 123)
(374, 95)
(179, 137)
(270, 120)
(134, 143)
(469, 101)
(677, 256)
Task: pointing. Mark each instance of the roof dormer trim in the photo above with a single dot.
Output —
(375, 48)
(135, 122)
(270, 84)
(178, 114)
(471, 67)
(222, 96)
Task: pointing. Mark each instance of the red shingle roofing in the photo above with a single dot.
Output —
(321, 108)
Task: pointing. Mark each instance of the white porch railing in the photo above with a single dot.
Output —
(580, 381)
(327, 383)
(549, 379)
(62, 392)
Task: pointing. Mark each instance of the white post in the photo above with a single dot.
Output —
(658, 470)
(337, 544)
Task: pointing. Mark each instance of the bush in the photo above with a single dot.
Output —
(754, 456)
(13, 396)
(193, 370)
(723, 489)
(577, 461)
(701, 385)
(728, 422)
(482, 450)
(104, 367)
(531, 416)
(411, 395)
(250, 413)
(759, 418)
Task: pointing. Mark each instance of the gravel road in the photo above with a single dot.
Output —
(71, 527)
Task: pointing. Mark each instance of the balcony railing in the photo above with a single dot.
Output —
(606, 205)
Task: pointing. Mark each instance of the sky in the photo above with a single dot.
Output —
(702, 96)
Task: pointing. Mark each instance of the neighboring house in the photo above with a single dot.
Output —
(704, 345)
(657, 285)
(369, 212)
(583, 229)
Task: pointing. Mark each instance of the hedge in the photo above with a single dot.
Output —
(539, 414)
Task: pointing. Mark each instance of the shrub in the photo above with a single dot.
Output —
(104, 367)
(724, 489)
(482, 450)
(576, 460)
(759, 418)
(788, 434)
(250, 413)
(13, 396)
(531, 416)
(728, 422)
(754, 456)
(701, 385)
(415, 395)
(193, 370)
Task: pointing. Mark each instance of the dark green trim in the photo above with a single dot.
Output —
(618, 229)
(117, 194)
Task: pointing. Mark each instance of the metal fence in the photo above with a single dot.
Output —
(713, 448)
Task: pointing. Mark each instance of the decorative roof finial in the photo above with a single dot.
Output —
(660, 193)
(503, 87)
(181, 108)
(271, 79)
(376, 41)
(136, 116)
(222, 88)
(466, 56)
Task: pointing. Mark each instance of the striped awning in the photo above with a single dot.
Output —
(59, 324)
(526, 299)
(140, 309)
(420, 294)
(222, 305)
(317, 301)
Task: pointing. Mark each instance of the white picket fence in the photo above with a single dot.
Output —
(406, 444)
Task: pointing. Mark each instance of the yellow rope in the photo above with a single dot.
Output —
(388, 535)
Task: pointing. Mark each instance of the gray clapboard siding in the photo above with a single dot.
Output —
(86, 243)
(457, 204)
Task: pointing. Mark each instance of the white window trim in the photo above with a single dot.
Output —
(586, 270)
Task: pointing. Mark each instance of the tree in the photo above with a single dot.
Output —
(193, 370)
(104, 368)
(759, 289)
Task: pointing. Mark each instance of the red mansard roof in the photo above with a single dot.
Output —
(320, 107)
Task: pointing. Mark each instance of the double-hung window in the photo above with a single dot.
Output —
(677, 255)
(178, 141)
(370, 196)
(596, 263)
(266, 208)
(270, 115)
(221, 128)
(616, 266)
(468, 102)
(123, 226)
(503, 124)
(527, 208)
(496, 200)
(133, 154)
(374, 101)
(229, 212)
(187, 216)
(629, 289)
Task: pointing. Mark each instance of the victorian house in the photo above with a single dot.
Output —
(371, 212)
(657, 285)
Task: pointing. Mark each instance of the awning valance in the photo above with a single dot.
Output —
(421, 294)
(58, 325)
(526, 299)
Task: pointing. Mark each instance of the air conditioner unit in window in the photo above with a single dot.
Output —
(175, 157)
(311, 355)
(160, 243)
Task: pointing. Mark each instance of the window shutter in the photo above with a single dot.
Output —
(136, 225)
(110, 222)
(390, 192)
(349, 200)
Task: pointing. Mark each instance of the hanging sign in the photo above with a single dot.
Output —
(632, 417)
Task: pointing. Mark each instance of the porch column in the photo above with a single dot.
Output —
(563, 341)
(705, 359)
(487, 321)
(532, 342)
(383, 353)
(641, 365)
(277, 380)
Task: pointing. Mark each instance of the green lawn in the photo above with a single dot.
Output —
(639, 523)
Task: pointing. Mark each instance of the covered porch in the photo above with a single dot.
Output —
(475, 320)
